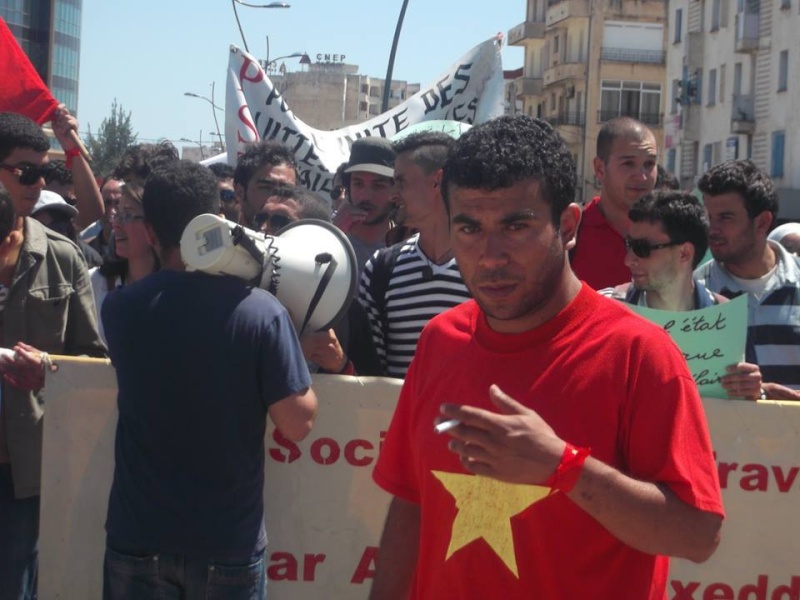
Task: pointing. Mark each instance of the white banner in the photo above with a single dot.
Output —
(470, 91)
(324, 514)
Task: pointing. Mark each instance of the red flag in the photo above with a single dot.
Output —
(21, 89)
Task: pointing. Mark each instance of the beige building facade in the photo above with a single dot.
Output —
(330, 95)
(733, 69)
(588, 61)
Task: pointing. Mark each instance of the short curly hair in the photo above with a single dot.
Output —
(139, 161)
(745, 178)
(255, 156)
(18, 131)
(680, 214)
(508, 150)
(176, 193)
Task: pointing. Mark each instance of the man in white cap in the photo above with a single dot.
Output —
(55, 213)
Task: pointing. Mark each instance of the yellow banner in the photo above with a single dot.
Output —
(324, 514)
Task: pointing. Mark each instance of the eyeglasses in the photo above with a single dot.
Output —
(643, 248)
(227, 195)
(28, 174)
(125, 218)
(275, 221)
(336, 192)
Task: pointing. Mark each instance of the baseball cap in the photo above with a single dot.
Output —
(372, 155)
(51, 201)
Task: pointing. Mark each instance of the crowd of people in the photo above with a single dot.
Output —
(479, 280)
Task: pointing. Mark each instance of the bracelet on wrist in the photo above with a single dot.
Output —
(568, 470)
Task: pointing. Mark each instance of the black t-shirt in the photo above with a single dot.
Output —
(199, 360)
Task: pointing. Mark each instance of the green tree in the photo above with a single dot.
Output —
(113, 138)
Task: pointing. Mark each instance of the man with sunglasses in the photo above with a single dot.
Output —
(668, 238)
(48, 307)
(742, 206)
(228, 204)
(347, 347)
(625, 166)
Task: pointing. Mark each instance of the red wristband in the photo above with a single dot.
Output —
(70, 154)
(568, 470)
(348, 369)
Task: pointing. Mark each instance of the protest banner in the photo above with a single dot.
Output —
(324, 514)
(470, 91)
(711, 339)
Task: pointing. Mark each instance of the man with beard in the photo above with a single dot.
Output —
(594, 461)
(667, 239)
(405, 285)
(742, 206)
(260, 169)
(625, 166)
(369, 178)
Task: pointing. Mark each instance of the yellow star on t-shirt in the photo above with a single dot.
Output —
(485, 507)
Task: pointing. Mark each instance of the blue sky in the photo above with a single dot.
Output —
(147, 53)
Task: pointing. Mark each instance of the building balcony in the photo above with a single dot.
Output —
(747, 25)
(564, 72)
(529, 30)
(653, 120)
(695, 48)
(574, 118)
(691, 118)
(529, 86)
(743, 114)
(561, 10)
(628, 55)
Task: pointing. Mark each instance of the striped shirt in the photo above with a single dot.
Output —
(773, 321)
(417, 291)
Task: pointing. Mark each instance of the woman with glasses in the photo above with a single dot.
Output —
(130, 255)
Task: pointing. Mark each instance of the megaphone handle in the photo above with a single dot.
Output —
(320, 291)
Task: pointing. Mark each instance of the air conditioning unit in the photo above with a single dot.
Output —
(570, 91)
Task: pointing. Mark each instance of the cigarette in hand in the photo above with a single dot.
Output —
(446, 426)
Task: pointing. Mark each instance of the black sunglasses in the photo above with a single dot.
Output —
(336, 192)
(28, 174)
(227, 195)
(276, 222)
(643, 248)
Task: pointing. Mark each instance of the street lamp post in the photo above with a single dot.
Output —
(214, 107)
(199, 144)
(388, 83)
(236, 14)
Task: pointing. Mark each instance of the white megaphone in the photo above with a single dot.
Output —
(310, 267)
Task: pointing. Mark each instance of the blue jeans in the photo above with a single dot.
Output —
(174, 576)
(19, 541)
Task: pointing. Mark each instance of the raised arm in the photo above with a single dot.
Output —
(89, 201)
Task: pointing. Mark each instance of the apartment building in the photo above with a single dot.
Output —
(733, 69)
(332, 94)
(588, 61)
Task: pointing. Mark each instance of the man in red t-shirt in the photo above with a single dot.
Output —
(592, 464)
(625, 165)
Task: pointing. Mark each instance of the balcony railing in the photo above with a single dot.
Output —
(529, 86)
(529, 30)
(568, 117)
(560, 10)
(651, 119)
(743, 114)
(747, 25)
(655, 57)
